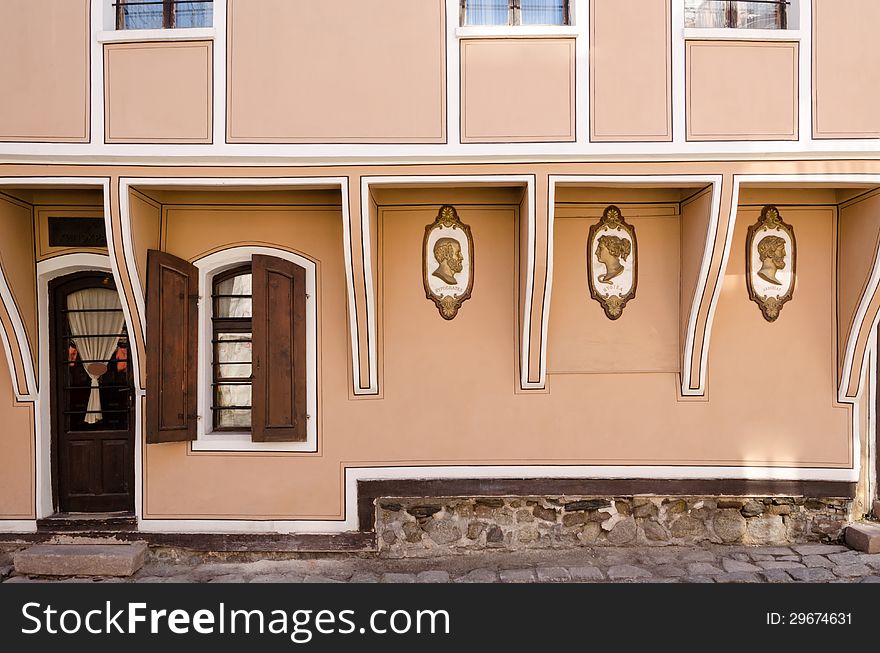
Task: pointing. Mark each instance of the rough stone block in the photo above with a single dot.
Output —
(864, 537)
(81, 559)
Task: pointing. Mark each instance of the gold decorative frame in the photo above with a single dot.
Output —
(612, 303)
(770, 221)
(448, 303)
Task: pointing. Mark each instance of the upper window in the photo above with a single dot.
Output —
(758, 14)
(515, 12)
(163, 14)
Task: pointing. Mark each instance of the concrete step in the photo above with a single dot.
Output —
(864, 536)
(81, 559)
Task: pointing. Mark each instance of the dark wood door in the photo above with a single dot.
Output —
(92, 391)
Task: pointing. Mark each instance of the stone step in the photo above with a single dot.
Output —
(81, 559)
(864, 537)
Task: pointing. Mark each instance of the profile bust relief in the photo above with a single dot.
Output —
(771, 257)
(448, 262)
(447, 253)
(612, 262)
(609, 251)
(771, 251)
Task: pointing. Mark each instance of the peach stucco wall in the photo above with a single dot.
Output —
(17, 445)
(356, 71)
(782, 373)
(451, 384)
(17, 260)
(742, 90)
(846, 69)
(158, 92)
(44, 70)
(146, 224)
(645, 337)
(630, 71)
(515, 90)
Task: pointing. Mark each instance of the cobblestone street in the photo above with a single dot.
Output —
(817, 563)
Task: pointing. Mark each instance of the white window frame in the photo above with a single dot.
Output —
(109, 33)
(207, 439)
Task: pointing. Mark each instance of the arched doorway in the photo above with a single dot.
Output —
(91, 396)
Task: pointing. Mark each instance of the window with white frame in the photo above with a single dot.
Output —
(163, 14)
(236, 337)
(753, 14)
(515, 12)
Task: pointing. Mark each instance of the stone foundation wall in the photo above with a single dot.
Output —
(442, 526)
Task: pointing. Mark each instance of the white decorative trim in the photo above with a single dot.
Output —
(209, 266)
(349, 521)
(151, 35)
(102, 19)
(715, 182)
(219, 70)
(737, 34)
(516, 31)
(18, 526)
(453, 76)
(527, 181)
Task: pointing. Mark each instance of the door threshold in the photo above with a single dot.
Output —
(92, 522)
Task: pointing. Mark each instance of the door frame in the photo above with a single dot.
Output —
(47, 270)
(55, 420)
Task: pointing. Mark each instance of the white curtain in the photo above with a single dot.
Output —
(542, 12)
(106, 324)
(486, 12)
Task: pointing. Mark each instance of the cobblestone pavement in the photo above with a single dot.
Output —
(817, 563)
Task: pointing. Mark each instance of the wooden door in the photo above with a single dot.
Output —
(92, 392)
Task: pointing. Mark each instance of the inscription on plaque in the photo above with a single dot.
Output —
(77, 232)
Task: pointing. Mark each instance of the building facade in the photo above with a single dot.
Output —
(265, 262)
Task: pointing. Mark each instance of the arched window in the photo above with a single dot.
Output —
(232, 347)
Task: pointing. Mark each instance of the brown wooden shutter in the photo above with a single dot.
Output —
(279, 349)
(172, 348)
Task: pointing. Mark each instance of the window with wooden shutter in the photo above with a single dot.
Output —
(279, 350)
(172, 347)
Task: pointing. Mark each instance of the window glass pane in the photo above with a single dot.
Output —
(141, 14)
(760, 15)
(239, 303)
(233, 354)
(234, 419)
(233, 348)
(486, 12)
(193, 14)
(705, 13)
(238, 395)
(543, 12)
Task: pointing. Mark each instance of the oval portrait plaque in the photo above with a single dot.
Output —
(448, 262)
(771, 258)
(612, 262)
